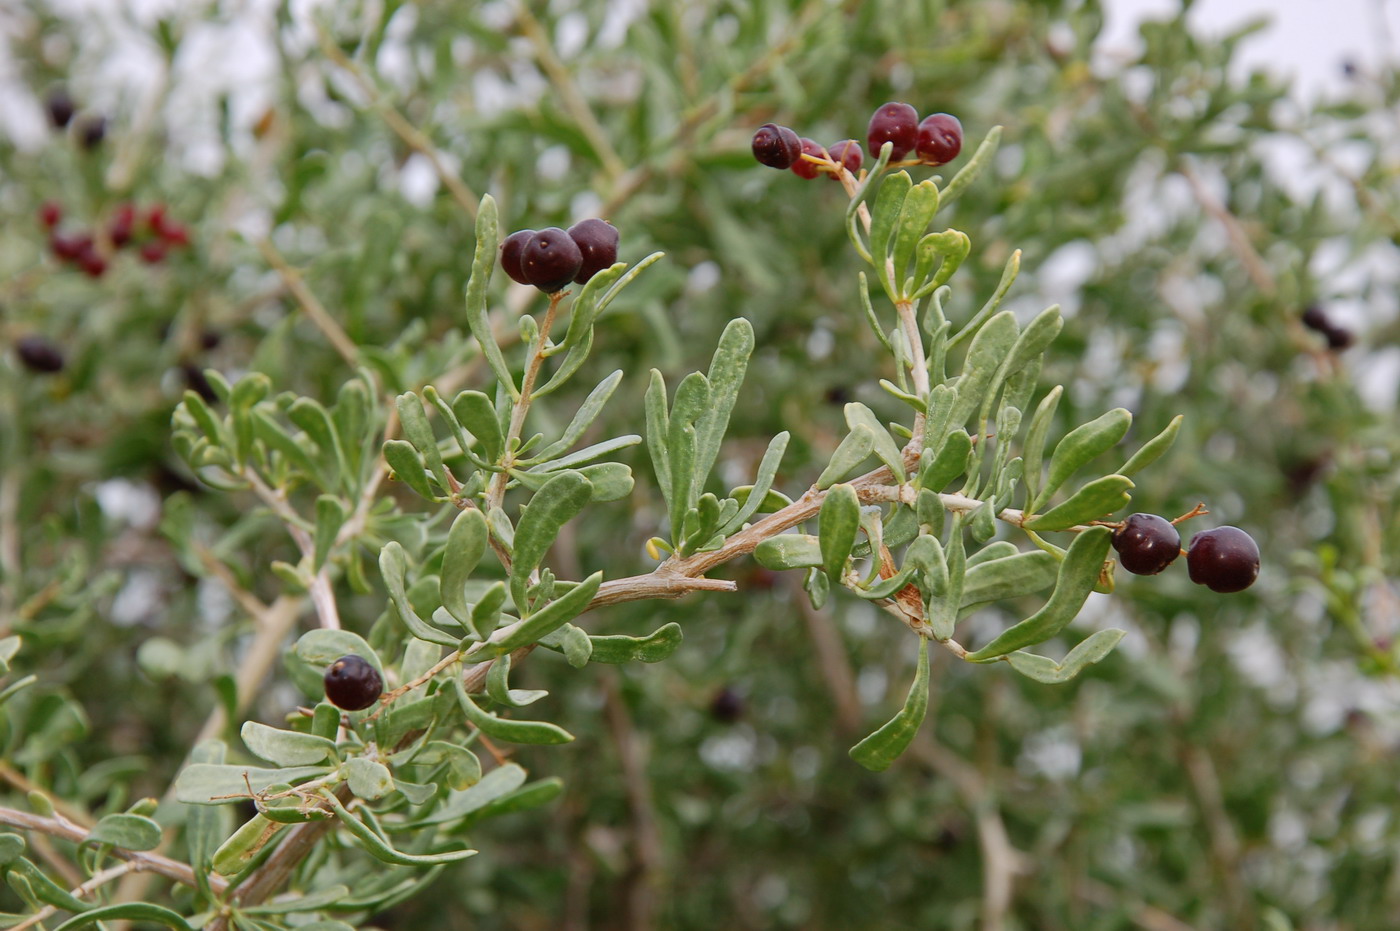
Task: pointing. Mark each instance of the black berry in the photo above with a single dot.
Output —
(897, 123)
(198, 382)
(1315, 318)
(805, 169)
(727, 706)
(511, 250)
(848, 154)
(91, 131)
(352, 683)
(1339, 337)
(940, 138)
(1225, 559)
(597, 242)
(551, 259)
(38, 354)
(1146, 544)
(60, 108)
(776, 146)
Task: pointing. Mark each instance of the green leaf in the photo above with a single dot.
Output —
(126, 911)
(1043, 669)
(509, 729)
(486, 613)
(310, 902)
(920, 204)
(393, 566)
(501, 781)
(989, 349)
(330, 517)
(1096, 499)
(790, 551)
(884, 219)
(11, 847)
(885, 448)
(286, 748)
(380, 849)
(925, 554)
(763, 483)
(131, 832)
(588, 412)
(549, 618)
(204, 418)
(1080, 446)
(205, 783)
(1008, 577)
(691, 402)
(554, 505)
(726, 375)
(586, 454)
(1034, 448)
(881, 748)
(849, 454)
(416, 429)
(475, 411)
(368, 779)
(948, 463)
(404, 460)
(1153, 449)
(315, 421)
(276, 438)
(322, 647)
(537, 793)
(973, 326)
(653, 648)
(466, 544)
(483, 264)
(658, 430)
(498, 686)
(837, 525)
(969, 172)
(1077, 576)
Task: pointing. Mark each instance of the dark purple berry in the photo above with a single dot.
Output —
(1315, 318)
(60, 107)
(776, 146)
(39, 355)
(597, 242)
(1146, 544)
(897, 123)
(511, 251)
(91, 131)
(940, 138)
(1339, 337)
(550, 260)
(805, 169)
(198, 382)
(727, 706)
(848, 154)
(352, 683)
(1225, 559)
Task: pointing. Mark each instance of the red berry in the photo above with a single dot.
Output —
(1225, 559)
(50, 214)
(70, 248)
(597, 241)
(897, 123)
(123, 222)
(38, 354)
(155, 218)
(776, 146)
(805, 169)
(511, 250)
(940, 138)
(176, 234)
(352, 683)
(848, 154)
(1146, 544)
(551, 259)
(92, 263)
(153, 251)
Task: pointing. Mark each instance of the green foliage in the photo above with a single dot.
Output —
(191, 510)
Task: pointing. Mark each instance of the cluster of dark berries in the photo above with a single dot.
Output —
(1225, 559)
(935, 140)
(1338, 337)
(151, 231)
(352, 683)
(90, 130)
(39, 355)
(551, 259)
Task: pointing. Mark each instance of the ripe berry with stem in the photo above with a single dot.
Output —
(597, 242)
(352, 683)
(551, 259)
(1146, 544)
(805, 169)
(776, 146)
(1225, 559)
(848, 154)
(897, 123)
(511, 250)
(940, 138)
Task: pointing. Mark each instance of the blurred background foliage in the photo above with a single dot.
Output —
(1231, 766)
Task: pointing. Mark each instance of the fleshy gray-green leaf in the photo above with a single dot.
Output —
(881, 748)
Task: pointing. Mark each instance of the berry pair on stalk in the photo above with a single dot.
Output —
(551, 259)
(1225, 559)
(935, 140)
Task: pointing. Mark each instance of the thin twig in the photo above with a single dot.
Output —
(643, 884)
(96, 882)
(314, 309)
